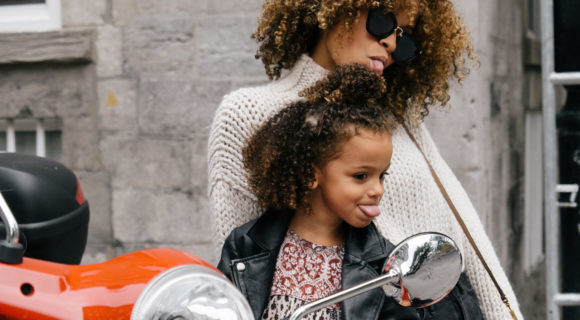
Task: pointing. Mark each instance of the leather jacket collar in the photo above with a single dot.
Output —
(365, 252)
(269, 230)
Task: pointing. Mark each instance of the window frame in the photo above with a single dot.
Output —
(42, 128)
(31, 17)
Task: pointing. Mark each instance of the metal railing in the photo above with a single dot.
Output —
(39, 128)
(551, 79)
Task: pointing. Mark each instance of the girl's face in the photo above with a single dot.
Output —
(350, 185)
(336, 47)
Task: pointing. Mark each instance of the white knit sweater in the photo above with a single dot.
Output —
(411, 203)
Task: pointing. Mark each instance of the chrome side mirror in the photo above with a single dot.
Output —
(428, 265)
(420, 271)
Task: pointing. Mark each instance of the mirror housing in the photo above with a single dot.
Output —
(429, 265)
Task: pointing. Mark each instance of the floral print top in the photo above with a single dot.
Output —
(305, 272)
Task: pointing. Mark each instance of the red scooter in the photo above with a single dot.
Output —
(45, 218)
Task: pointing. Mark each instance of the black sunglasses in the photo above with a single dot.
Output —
(381, 25)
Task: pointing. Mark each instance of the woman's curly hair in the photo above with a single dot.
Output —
(281, 156)
(289, 28)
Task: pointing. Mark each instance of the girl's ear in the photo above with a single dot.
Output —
(314, 184)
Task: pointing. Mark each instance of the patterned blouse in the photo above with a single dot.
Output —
(304, 272)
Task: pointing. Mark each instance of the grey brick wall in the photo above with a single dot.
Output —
(167, 65)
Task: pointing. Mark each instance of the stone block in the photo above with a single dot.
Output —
(250, 8)
(77, 13)
(225, 49)
(145, 164)
(80, 146)
(109, 58)
(117, 108)
(173, 7)
(158, 44)
(123, 11)
(177, 106)
(199, 164)
(57, 46)
(96, 188)
(47, 91)
(155, 217)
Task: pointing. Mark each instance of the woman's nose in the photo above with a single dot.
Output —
(389, 43)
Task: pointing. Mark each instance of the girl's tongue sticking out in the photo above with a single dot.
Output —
(370, 210)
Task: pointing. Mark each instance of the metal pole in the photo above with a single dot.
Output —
(550, 162)
(564, 78)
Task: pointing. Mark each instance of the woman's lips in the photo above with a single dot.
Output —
(377, 65)
(370, 210)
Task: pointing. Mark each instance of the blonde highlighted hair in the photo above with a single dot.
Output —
(289, 28)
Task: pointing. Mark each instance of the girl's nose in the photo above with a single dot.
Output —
(376, 190)
(389, 43)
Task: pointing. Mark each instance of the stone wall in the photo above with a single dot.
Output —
(137, 104)
(161, 70)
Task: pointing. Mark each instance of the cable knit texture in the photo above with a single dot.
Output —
(411, 203)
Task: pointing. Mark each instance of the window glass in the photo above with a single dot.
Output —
(29, 15)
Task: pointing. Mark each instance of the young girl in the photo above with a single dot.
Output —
(319, 167)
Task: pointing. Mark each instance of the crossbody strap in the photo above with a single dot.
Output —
(462, 224)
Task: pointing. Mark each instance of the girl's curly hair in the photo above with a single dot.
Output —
(280, 157)
(289, 28)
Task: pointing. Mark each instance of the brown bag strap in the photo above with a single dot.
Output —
(462, 224)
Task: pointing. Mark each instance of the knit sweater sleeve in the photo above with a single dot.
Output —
(231, 202)
(491, 304)
(238, 116)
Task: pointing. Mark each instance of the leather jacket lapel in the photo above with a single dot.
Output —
(365, 252)
(256, 271)
(254, 279)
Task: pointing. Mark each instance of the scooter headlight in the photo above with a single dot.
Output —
(191, 292)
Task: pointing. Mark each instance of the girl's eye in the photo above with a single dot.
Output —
(382, 176)
(360, 176)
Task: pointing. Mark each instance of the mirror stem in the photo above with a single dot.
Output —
(11, 251)
(389, 277)
(9, 222)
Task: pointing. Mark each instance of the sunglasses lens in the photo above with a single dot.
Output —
(379, 24)
(407, 49)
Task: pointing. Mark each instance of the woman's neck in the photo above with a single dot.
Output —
(322, 232)
(321, 54)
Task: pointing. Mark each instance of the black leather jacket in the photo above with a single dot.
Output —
(249, 259)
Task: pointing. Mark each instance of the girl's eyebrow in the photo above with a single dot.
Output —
(365, 167)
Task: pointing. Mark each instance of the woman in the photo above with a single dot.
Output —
(308, 38)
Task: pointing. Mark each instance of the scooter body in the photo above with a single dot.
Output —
(43, 290)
